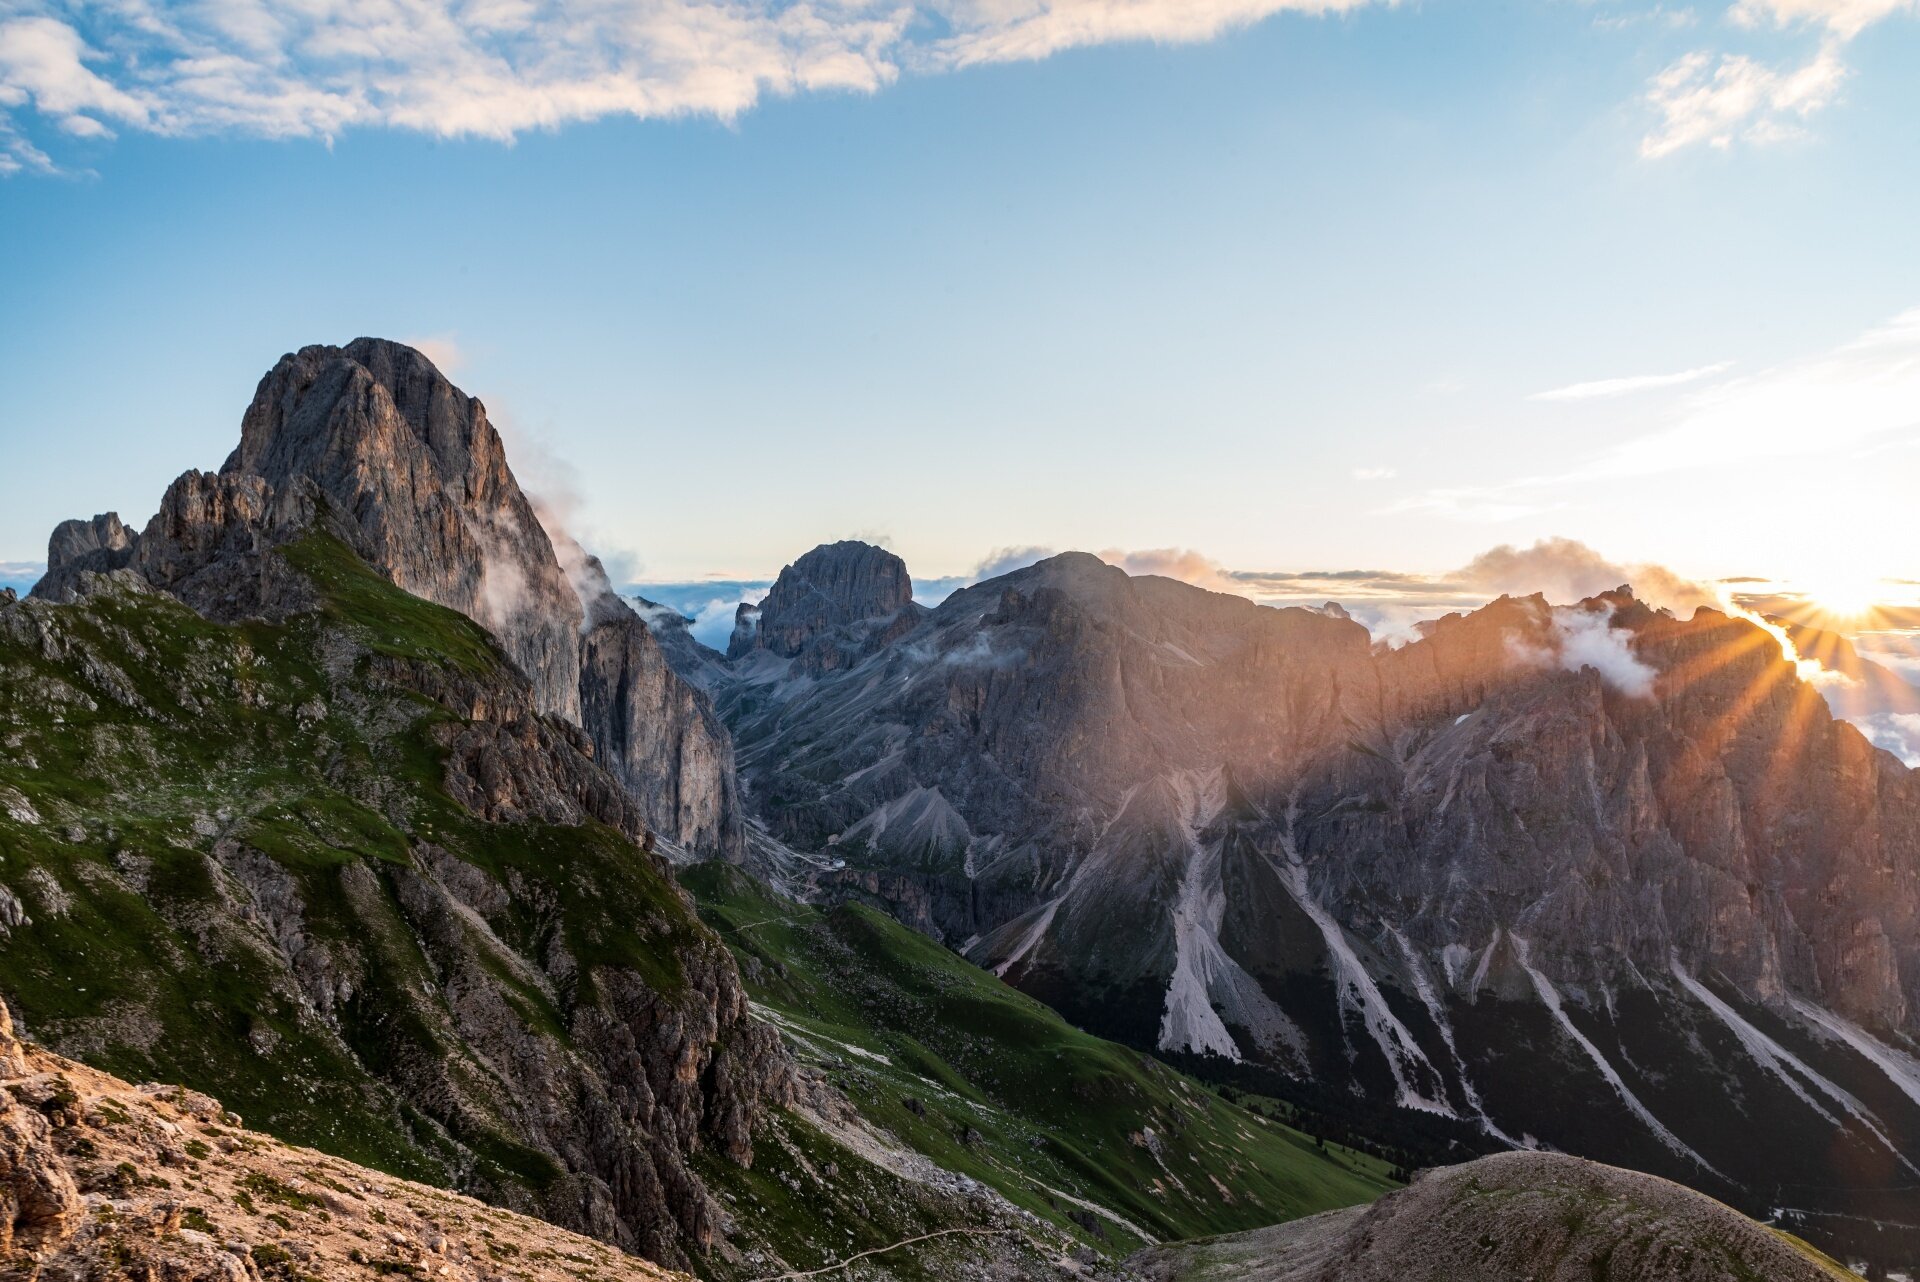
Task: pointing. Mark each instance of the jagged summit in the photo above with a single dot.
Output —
(410, 466)
(371, 443)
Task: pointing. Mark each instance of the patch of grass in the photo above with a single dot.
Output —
(392, 622)
(268, 1189)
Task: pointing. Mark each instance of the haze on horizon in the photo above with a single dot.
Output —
(1265, 295)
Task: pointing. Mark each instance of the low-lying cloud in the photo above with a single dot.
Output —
(1388, 602)
(21, 575)
(1587, 639)
(1565, 570)
(709, 603)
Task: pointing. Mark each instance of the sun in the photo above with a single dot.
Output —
(1843, 594)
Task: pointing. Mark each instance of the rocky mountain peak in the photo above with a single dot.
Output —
(321, 409)
(834, 585)
(372, 443)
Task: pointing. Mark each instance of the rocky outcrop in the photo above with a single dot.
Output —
(40, 1208)
(830, 607)
(213, 544)
(1515, 1217)
(102, 1179)
(78, 547)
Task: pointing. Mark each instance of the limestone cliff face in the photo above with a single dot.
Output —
(1245, 835)
(659, 735)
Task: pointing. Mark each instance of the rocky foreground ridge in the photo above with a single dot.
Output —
(101, 1179)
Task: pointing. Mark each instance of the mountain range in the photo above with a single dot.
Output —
(1589, 877)
(348, 789)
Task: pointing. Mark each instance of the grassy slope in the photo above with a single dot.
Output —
(1008, 1092)
(142, 733)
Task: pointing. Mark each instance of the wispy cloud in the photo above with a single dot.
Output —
(1374, 473)
(1863, 395)
(1719, 99)
(498, 68)
(1479, 504)
(1862, 390)
(1842, 18)
(1607, 387)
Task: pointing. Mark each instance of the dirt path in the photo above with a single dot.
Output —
(882, 1250)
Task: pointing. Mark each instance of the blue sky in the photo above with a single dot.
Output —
(1380, 287)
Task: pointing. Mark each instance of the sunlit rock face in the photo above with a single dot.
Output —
(410, 467)
(1591, 874)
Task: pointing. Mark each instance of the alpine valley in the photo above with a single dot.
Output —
(465, 918)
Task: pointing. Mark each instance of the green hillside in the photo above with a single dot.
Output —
(992, 1084)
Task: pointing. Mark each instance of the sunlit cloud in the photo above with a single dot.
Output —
(499, 68)
(1172, 563)
(1374, 473)
(1719, 99)
(443, 350)
(1732, 98)
(1567, 570)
